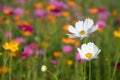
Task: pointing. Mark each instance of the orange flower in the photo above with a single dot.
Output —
(7, 11)
(71, 3)
(4, 70)
(1, 19)
(65, 27)
(38, 5)
(76, 43)
(65, 14)
(27, 33)
(57, 54)
(51, 18)
(68, 40)
(16, 18)
(50, 7)
(114, 12)
(93, 10)
(100, 29)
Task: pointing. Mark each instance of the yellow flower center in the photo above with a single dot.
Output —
(88, 55)
(82, 32)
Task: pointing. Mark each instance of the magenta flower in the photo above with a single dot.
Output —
(29, 50)
(20, 40)
(25, 27)
(103, 13)
(8, 34)
(117, 21)
(118, 65)
(77, 57)
(67, 48)
(18, 11)
(39, 13)
(53, 61)
(101, 23)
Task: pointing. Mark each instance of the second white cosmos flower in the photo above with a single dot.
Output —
(88, 51)
(82, 29)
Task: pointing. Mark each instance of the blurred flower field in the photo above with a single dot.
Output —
(36, 41)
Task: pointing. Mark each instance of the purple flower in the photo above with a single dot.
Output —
(39, 13)
(67, 48)
(53, 61)
(18, 11)
(25, 27)
(20, 40)
(101, 23)
(40, 52)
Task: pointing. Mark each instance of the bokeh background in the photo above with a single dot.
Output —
(33, 34)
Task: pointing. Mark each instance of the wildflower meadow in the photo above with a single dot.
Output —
(59, 40)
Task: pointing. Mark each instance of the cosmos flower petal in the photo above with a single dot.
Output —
(88, 23)
(72, 29)
(82, 56)
(79, 25)
(94, 28)
(72, 36)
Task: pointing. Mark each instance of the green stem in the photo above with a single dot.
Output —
(55, 77)
(10, 73)
(84, 71)
(115, 67)
(89, 70)
(28, 69)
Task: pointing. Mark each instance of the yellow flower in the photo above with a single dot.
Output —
(117, 33)
(69, 62)
(0, 54)
(12, 46)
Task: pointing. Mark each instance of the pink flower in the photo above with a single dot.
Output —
(39, 13)
(20, 40)
(77, 57)
(101, 23)
(19, 11)
(67, 48)
(8, 34)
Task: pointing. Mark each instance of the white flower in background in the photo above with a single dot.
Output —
(88, 51)
(82, 29)
(43, 68)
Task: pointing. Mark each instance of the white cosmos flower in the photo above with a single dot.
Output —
(88, 51)
(82, 29)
